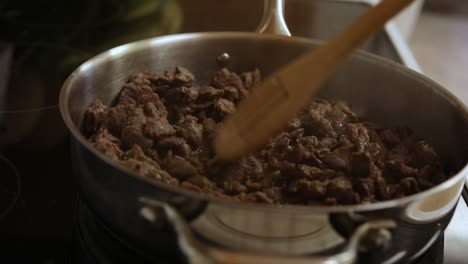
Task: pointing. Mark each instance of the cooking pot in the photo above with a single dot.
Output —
(211, 229)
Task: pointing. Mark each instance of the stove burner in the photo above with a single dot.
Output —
(307, 235)
(96, 243)
(10, 186)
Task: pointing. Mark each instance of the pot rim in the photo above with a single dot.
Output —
(362, 55)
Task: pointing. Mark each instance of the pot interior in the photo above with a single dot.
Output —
(377, 89)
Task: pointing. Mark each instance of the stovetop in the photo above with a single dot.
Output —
(42, 42)
(96, 243)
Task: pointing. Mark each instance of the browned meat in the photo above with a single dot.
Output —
(132, 130)
(107, 144)
(181, 95)
(409, 185)
(209, 93)
(183, 77)
(135, 94)
(226, 78)
(224, 107)
(190, 128)
(115, 117)
(94, 116)
(180, 77)
(313, 190)
(157, 111)
(231, 93)
(176, 145)
(362, 166)
(390, 137)
(163, 125)
(209, 126)
(339, 158)
(341, 189)
(179, 167)
(157, 127)
(251, 79)
(315, 122)
(136, 160)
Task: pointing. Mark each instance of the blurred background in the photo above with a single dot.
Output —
(439, 43)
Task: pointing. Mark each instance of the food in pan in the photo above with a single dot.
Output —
(162, 126)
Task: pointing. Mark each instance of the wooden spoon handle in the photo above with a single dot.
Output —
(267, 110)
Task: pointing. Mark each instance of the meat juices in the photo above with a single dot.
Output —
(162, 127)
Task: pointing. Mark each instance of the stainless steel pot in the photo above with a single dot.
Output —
(378, 89)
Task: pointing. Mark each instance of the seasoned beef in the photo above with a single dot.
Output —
(190, 128)
(137, 92)
(251, 79)
(107, 144)
(183, 77)
(176, 145)
(94, 116)
(178, 78)
(224, 107)
(226, 78)
(132, 130)
(162, 127)
(115, 118)
(136, 160)
(179, 167)
(209, 93)
(180, 95)
(158, 127)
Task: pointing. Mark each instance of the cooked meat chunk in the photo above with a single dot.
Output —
(231, 93)
(115, 118)
(209, 93)
(176, 145)
(339, 158)
(226, 78)
(179, 167)
(251, 79)
(183, 77)
(209, 126)
(132, 130)
(178, 78)
(224, 107)
(162, 127)
(190, 129)
(134, 94)
(157, 127)
(314, 190)
(181, 95)
(136, 160)
(341, 189)
(362, 166)
(94, 116)
(107, 144)
(409, 185)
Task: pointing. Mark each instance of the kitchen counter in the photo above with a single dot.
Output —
(439, 45)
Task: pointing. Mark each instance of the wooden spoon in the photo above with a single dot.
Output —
(269, 107)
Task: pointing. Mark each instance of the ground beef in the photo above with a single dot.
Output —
(163, 125)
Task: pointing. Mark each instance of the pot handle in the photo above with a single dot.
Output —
(273, 19)
(200, 253)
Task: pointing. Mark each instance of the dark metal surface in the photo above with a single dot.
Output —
(465, 195)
